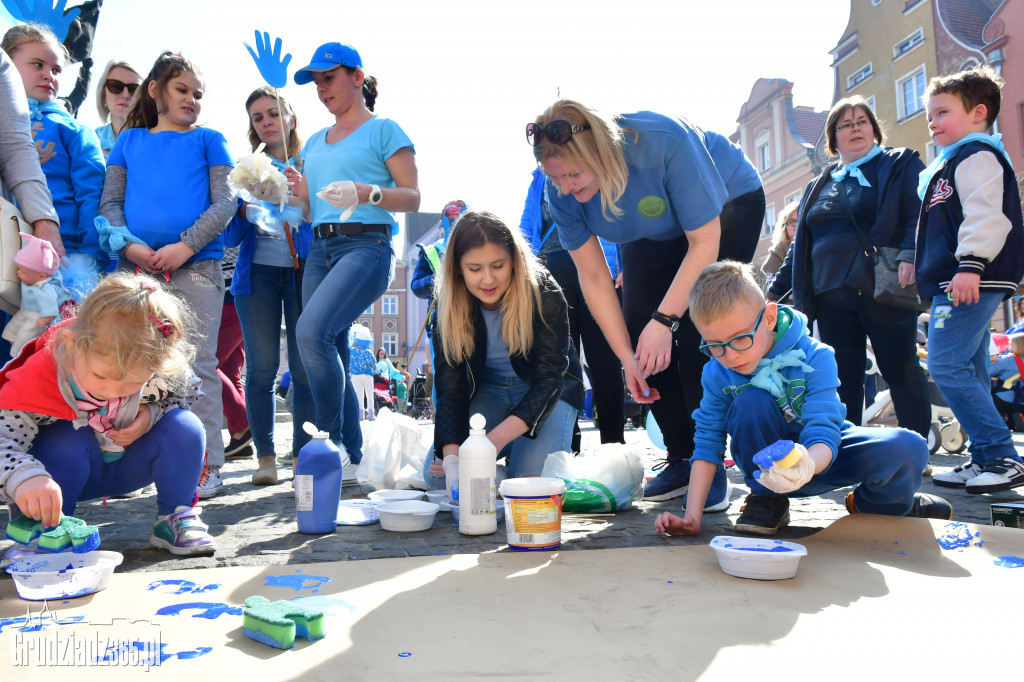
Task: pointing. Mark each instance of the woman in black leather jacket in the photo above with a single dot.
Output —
(501, 348)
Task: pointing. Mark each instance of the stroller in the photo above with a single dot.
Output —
(419, 406)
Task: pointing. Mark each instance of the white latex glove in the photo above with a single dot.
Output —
(341, 195)
(795, 477)
(271, 190)
(451, 477)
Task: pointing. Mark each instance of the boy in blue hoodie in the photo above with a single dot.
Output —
(769, 382)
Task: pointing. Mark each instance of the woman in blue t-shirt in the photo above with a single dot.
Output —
(676, 198)
(357, 173)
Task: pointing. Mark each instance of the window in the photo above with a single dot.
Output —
(930, 152)
(390, 344)
(369, 311)
(795, 196)
(389, 305)
(907, 44)
(769, 221)
(871, 104)
(859, 76)
(909, 91)
(764, 157)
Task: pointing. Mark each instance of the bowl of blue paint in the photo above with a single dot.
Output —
(63, 576)
(758, 558)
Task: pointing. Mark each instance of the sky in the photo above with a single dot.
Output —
(463, 78)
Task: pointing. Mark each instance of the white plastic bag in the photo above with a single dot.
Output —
(393, 458)
(608, 478)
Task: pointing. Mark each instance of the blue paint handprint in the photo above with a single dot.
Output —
(273, 69)
(55, 17)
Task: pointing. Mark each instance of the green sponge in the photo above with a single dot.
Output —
(70, 534)
(277, 623)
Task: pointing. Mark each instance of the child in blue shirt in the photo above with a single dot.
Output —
(970, 258)
(770, 381)
(69, 153)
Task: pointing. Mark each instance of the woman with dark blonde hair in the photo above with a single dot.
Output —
(677, 198)
(114, 92)
(501, 348)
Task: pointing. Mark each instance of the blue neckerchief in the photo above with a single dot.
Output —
(853, 168)
(994, 141)
(768, 375)
(36, 109)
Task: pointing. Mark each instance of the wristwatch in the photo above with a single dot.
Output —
(670, 321)
(376, 196)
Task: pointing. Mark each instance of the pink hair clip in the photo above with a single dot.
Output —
(166, 328)
(148, 285)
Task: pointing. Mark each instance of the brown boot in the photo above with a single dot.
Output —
(266, 474)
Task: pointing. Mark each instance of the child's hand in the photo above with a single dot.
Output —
(965, 287)
(131, 433)
(39, 498)
(140, 254)
(792, 478)
(171, 257)
(669, 523)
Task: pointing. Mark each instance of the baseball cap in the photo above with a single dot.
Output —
(328, 56)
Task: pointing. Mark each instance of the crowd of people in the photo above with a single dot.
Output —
(634, 247)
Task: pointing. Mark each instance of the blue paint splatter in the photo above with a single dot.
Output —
(296, 582)
(776, 548)
(1010, 562)
(669, 582)
(208, 610)
(298, 570)
(69, 567)
(184, 586)
(903, 553)
(405, 654)
(957, 535)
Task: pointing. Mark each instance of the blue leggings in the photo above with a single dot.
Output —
(886, 463)
(171, 455)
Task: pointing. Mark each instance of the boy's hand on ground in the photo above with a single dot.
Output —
(785, 481)
(40, 498)
(131, 433)
(965, 288)
(669, 523)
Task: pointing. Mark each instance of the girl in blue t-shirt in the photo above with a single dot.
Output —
(165, 203)
(357, 173)
(266, 284)
(677, 198)
(69, 154)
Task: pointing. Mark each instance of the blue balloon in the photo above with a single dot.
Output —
(654, 432)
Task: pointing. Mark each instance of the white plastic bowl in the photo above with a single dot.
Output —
(407, 516)
(385, 496)
(437, 496)
(64, 575)
(758, 558)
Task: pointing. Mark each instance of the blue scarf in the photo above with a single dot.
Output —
(994, 141)
(36, 109)
(853, 168)
(768, 375)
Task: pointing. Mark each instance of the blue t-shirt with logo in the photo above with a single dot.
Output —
(360, 157)
(680, 177)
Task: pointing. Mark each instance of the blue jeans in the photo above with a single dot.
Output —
(495, 401)
(344, 275)
(170, 455)
(886, 463)
(958, 345)
(273, 292)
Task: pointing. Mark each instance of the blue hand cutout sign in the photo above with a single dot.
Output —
(40, 11)
(273, 69)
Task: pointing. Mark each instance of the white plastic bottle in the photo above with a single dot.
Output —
(477, 491)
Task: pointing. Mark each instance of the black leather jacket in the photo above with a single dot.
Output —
(552, 369)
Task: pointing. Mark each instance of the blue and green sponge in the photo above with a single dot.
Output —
(277, 623)
(70, 534)
(783, 453)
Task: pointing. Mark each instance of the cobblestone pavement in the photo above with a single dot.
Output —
(255, 526)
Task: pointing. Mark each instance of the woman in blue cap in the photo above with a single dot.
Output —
(356, 175)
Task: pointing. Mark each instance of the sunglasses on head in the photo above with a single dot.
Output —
(116, 87)
(558, 132)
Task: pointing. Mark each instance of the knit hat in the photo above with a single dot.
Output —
(37, 255)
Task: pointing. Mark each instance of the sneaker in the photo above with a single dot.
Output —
(672, 482)
(266, 474)
(958, 477)
(763, 515)
(241, 447)
(348, 476)
(1002, 474)
(183, 533)
(210, 482)
(718, 495)
(926, 506)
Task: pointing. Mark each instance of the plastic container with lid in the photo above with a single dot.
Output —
(317, 483)
(477, 470)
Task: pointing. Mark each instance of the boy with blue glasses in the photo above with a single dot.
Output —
(769, 381)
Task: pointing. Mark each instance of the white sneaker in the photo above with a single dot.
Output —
(1002, 474)
(349, 468)
(958, 477)
(210, 482)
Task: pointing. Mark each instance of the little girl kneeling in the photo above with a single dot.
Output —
(121, 368)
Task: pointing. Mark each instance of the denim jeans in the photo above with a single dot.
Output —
(344, 275)
(273, 293)
(495, 401)
(958, 345)
(887, 463)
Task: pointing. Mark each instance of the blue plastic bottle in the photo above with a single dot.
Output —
(317, 483)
